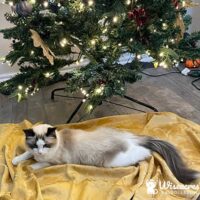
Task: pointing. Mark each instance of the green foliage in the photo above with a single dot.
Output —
(100, 31)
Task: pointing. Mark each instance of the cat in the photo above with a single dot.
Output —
(103, 147)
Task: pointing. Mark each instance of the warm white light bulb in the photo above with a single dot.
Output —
(45, 4)
(172, 41)
(90, 107)
(119, 44)
(63, 42)
(98, 91)
(10, 3)
(20, 87)
(139, 56)
(161, 54)
(32, 1)
(59, 4)
(104, 47)
(164, 25)
(105, 30)
(131, 40)
(47, 74)
(128, 2)
(90, 2)
(93, 42)
(32, 52)
(115, 19)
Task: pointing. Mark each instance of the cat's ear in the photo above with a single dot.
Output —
(51, 132)
(29, 132)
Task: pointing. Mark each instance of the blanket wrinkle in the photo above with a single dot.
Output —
(79, 182)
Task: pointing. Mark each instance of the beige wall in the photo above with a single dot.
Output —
(5, 44)
(195, 13)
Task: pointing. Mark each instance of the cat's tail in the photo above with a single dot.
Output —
(173, 160)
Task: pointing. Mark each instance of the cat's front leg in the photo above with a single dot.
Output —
(40, 165)
(22, 157)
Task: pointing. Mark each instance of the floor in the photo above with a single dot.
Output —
(173, 93)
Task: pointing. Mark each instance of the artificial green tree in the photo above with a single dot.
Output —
(49, 35)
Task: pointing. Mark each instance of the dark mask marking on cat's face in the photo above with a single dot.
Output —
(48, 139)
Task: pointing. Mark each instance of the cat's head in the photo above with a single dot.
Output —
(40, 139)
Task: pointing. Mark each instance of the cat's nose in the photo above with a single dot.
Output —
(40, 151)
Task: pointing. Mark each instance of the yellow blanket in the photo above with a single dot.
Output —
(150, 180)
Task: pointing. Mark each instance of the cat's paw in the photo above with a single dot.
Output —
(15, 161)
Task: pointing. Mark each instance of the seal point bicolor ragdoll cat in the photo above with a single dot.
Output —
(103, 147)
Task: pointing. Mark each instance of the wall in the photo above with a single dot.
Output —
(5, 70)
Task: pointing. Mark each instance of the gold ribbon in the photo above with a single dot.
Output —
(38, 42)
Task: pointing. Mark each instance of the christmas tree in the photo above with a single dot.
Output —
(94, 34)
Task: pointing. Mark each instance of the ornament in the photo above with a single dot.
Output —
(176, 3)
(23, 8)
(139, 15)
(189, 63)
(189, 4)
(38, 42)
(180, 23)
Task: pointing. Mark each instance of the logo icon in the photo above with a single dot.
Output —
(151, 187)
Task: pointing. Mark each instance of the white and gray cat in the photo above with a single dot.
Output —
(103, 147)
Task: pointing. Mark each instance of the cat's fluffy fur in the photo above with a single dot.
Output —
(103, 147)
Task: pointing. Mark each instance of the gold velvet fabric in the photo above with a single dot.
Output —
(75, 182)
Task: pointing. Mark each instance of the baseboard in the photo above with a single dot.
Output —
(7, 76)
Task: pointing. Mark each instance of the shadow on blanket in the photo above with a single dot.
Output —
(150, 180)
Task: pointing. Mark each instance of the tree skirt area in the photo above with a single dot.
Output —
(149, 180)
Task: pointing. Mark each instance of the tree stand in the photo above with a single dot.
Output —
(53, 94)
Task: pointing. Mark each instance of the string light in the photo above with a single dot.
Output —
(164, 25)
(45, 4)
(105, 30)
(172, 41)
(32, 1)
(81, 6)
(115, 19)
(163, 64)
(90, 2)
(10, 3)
(48, 74)
(90, 107)
(161, 54)
(128, 2)
(84, 100)
(20, 87)
(59, 4)
(183, 3)
(99, 90)
(32, 52)
(104, 47)
(119, 44)
(131, 40)
(63, 42)
(93, 42)
(139, 56)
(83, 91)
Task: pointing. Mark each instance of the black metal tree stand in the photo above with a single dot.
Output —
(53, 94)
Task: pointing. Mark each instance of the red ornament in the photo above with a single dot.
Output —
(139, 15)
(176, 3)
